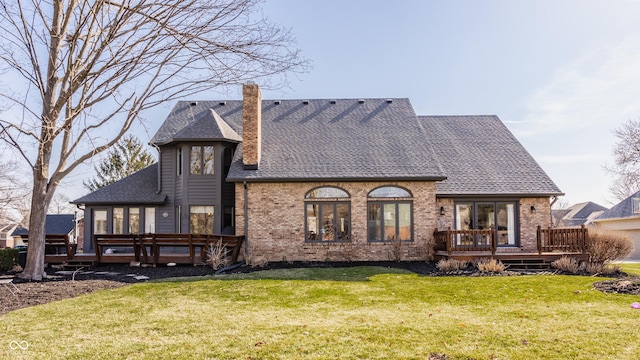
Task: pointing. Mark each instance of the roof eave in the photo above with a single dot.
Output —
(335, 179)
(485, 195)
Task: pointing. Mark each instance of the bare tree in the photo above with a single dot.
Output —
(13, 192)
(626, 156)
(82, 71)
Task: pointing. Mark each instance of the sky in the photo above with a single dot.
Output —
(560, 74)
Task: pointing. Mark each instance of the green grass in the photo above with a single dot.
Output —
(354, 313)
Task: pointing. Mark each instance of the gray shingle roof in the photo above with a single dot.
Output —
(623, 209)
(342, 139)
(138, 188)
(55, 224)
(195, 121)
(480, 156)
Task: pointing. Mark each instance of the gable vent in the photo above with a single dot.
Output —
(361, 101)
(306, 102)
(195, 103)
(277, 102)
(223, 103)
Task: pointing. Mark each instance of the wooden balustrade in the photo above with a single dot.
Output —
(568, 240)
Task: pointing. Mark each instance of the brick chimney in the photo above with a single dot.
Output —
(251, 126)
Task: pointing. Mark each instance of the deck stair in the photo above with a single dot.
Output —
(527, 264)
(76, 264)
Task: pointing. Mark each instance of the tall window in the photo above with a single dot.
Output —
(100, 221)
(149, 220)
(134, 220)
(327, 215)
(201, 219)
(118, 220)
(201, 160)
(389, 214)
(179, 161)
(482, 215)
(636, 205)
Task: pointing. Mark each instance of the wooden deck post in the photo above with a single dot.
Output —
(449, 241)
(539, 239)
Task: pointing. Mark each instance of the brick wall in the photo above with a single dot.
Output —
(276, 224)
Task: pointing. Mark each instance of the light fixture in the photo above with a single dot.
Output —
(533, 209)
(441, 210)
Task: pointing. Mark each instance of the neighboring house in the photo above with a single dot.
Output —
(55, 224)
(6, 229)
(328, 180)
(577, 215)
(624, 217)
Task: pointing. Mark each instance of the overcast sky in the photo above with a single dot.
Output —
(560, 74)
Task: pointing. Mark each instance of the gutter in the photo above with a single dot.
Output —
(246, 221)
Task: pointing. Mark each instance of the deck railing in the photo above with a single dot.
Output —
(569, 240)
(465, 240)
(150, 247)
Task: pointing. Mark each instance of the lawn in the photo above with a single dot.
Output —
(354, 313)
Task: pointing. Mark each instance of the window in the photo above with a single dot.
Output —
(636, 205)
(201, 219)
(179, 161)
(100, 221)
(201, 160)
(483, 215)
(118, 220)
(327, 215)
(150, 220)
(134, 220)
(389, 214)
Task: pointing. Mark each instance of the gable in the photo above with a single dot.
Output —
(627, 208)
(480, 156)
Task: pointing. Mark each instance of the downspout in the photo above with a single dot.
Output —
(555, 198)
(246, 221)
(159, 167)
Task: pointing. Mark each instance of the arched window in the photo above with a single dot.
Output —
(327, 215)
(390, 214)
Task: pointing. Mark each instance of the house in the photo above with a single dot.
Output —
(55, 225)
(577, 215)
(330, 180)
(624, 217)
(6, 229)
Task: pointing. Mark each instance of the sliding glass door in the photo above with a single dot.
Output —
(483, 215)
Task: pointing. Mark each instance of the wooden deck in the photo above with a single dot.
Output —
(144, 248)
(552, 244)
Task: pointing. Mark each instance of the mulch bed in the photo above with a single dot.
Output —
(58, 286)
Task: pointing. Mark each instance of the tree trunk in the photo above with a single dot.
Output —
(34, 269)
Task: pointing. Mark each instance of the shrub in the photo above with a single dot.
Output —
(607, 246)
(8, 258)
(216, 255)
(598, 268)
(451, 265)
(567, 264)
(492, 266)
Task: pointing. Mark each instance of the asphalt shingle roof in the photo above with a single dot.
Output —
(138, 188)
(623, 209)
(480, 156)
(342, 139)
(55, 224)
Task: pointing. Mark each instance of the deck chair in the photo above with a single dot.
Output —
(9, 285)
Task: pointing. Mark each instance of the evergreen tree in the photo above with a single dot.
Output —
(125, 158)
